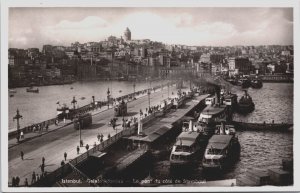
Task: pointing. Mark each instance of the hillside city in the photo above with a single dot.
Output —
(125, 58)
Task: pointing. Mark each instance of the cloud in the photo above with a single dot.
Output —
(88, 22)
(190, 26)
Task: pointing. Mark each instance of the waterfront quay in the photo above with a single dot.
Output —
(53, 145)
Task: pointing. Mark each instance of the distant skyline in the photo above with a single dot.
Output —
(34, 27)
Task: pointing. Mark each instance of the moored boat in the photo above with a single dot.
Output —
(31, 89)
(246, 104)
(214, 113)
(245, 83)
(223, 148)
(12, 91)
(256, 83)
(187, 149)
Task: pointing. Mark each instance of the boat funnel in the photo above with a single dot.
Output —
(140, 127)
(191, 125)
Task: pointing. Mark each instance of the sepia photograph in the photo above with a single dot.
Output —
(148, 96)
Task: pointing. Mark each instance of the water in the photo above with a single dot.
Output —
(42, 106)
(272, 102)
(259, 150)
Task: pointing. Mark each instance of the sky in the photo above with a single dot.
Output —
(199, 26)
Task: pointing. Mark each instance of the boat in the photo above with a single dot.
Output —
(187, 149)
(229, 99)
(256, 83)
(245, 82)
(245, 104)
(82, 98)
(222, 150)
(31, 89)
(12, 91)
(71, 88)
(11, 95)
(211, 115)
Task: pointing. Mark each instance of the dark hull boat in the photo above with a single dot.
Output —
(223, 149)
(31, 89)
(256, 83)
(245, 104)
(246, 83)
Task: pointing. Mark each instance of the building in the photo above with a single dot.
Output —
(205, 58)
(239, 66)
(127, 34)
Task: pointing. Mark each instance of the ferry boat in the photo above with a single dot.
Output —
(31, 89)
(256, 83)
(245, 104)
(223, 148)
(211, 115)
(187, 149)
(229, 99)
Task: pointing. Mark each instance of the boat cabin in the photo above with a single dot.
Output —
(186, 148)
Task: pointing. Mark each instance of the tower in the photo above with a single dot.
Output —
(127, 34)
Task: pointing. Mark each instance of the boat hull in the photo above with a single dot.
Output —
(256, 85)
(245, 108)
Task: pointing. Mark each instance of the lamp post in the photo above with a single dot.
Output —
(149, 97)
(134, 89)
(74, 102)
(18, 116)
(168, 89)
(80, 125)
(108, 96)
(149, 93)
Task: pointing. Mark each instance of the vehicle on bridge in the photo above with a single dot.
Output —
(83, 121)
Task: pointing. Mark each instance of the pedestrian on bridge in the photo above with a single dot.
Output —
(78, 149)
(43, 160)
(101, 138)
(42, 168)
(18, 138)
(22, 135)
(26, 182)
(22, 155)
(87, 147)
(13, 182)
(98, 137)
(17, 181)
(33, 180)
(65, 156)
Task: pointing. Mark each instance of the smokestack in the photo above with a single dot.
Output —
(191, 125)
(140, 127)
